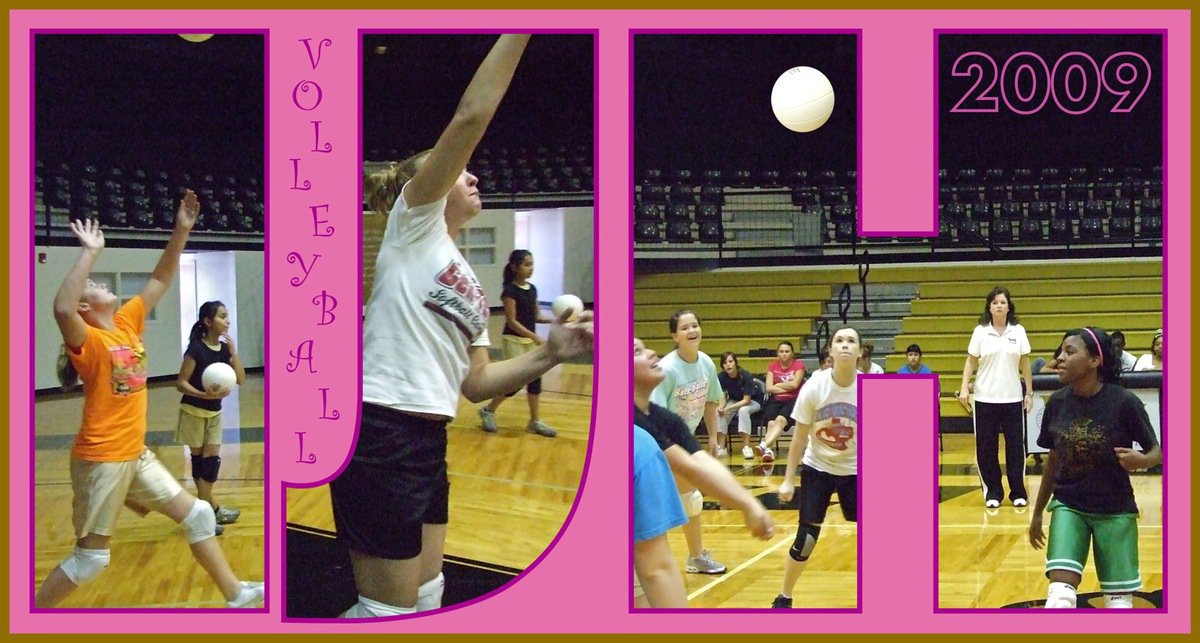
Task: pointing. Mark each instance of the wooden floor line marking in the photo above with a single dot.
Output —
(791, 536)
(535, 485)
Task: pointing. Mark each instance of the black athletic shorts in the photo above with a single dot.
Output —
(816, 489)
(775, 408)
(395, 482)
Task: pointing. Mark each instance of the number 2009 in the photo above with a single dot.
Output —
(1075, 82)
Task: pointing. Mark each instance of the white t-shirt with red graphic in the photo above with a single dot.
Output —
(426, 311)
(831, 413)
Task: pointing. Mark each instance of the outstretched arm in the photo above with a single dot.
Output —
(66, 300)
(168, 264)
(565, 340)
(454, 147)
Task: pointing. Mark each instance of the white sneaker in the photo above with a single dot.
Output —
(768, 455)
(251, 595)
(991, 504)
(1020, 502)
(747, 452)
(722, 452)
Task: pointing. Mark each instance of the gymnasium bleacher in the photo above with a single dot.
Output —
(750, 311)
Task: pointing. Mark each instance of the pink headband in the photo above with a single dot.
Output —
(1099, 348)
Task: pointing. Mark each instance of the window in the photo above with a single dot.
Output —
(126, 285)
(478, 245)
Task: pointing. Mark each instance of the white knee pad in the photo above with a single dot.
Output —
(1118, 601)
(429, 595)
(85, 564)
(367, 608)
(693, 503)
(1060, 595)
(201, 523)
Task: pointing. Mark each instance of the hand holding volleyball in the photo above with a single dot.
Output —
(218, 378)
(570, 335)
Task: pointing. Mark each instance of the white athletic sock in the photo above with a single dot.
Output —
(429, 595)
(367, 608)
(1060, 595)
(1118, 601)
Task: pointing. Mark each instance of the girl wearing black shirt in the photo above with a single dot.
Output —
(1090, 426)
(522, 314)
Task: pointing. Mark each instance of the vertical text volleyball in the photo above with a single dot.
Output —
(302, 359)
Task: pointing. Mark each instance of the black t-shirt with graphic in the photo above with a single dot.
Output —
(204, 357)
(527, 306)
(1084, 431)
(666, 428)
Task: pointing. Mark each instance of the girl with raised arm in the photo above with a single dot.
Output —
(110, 464)
(391, 502)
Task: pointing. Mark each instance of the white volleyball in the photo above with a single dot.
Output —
(563, 302)
(218, 377)
(802, 99)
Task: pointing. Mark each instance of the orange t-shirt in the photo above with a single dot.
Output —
(112, 365)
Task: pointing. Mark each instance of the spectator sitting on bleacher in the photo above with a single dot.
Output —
(1051, 367)
(865, 365)
(1152, 361)
(784, 377)
(742, 399)
(914, 366)
(826, 360)
(1127, 360)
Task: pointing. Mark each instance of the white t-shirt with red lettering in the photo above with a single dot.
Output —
(831, 413)
(425, 312)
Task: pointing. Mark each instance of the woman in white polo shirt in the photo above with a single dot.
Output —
(998, 356)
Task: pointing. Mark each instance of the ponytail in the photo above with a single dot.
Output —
(68, 377)
(515, 259)
(208, 310)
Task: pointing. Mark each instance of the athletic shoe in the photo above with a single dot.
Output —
(991, 503)
(487, 419)
(539, 427)
(704, 564)
(768, 455)
(226, 515)
(759, 449)
(722, 452)
(219, 530)
(782, 603)
(251, 595)
(1020, 502)
(747, 452)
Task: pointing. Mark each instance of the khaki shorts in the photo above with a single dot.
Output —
(517, 346)
(194, 430)
(102, 488)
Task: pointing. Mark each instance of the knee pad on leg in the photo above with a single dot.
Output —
(210, 466)
(367, 608)
(534, 387)
(197, 466)
(1060, 595)
(200, 523)
(1118, 601)
(806, 540)
(85, 564)
(429, 595)
(693, 503)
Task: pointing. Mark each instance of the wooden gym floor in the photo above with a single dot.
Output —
(985, 559)
(512, 480)
(151, 563)
(754, 567)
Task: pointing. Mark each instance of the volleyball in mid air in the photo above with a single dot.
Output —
(802, 99)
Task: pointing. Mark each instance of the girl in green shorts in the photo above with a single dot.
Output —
(1090, 426)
